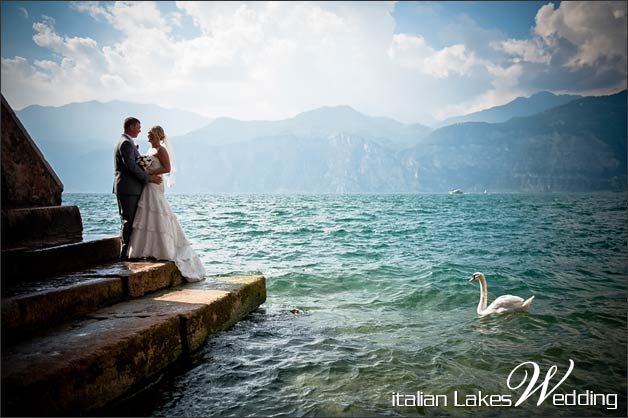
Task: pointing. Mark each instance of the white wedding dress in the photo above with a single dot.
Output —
(157, 233)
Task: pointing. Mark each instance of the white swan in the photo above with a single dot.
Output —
(503, 304)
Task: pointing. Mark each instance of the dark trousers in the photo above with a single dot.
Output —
(127, 204)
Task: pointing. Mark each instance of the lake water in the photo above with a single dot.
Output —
(382, 283)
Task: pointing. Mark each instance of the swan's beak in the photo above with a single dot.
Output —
(472, 279)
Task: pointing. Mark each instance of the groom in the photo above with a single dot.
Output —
(129, 179)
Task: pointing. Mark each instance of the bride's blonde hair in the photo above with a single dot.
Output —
(159, 131)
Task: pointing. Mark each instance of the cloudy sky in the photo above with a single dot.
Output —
(412, 61)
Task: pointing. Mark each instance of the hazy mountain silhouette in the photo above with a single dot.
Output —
(521, 106)
(77, 139)
(580, 145)
(577, 146)
(91, 125)
(318, 123)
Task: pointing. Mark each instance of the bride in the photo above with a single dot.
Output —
(156, 231)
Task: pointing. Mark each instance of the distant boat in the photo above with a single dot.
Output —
(456, 191)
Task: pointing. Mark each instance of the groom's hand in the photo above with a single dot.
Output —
(155, 179)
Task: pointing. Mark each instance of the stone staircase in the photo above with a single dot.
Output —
(81, 329)
(97, 328)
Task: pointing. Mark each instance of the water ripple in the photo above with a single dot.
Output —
(381, 283)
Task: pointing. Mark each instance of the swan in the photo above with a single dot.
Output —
(503, 304)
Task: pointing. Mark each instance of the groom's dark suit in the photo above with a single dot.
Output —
(128, 181)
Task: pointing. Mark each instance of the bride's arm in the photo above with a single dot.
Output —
(163, 156)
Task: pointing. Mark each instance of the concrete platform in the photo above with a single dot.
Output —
(81, 366)
(32, 305)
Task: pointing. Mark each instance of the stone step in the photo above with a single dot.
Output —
(85, 364)
(32, 305)
(29, 227)
(20, 264)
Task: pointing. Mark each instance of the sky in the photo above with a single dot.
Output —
(416, 62)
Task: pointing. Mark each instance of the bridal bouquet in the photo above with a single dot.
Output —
(144, 161)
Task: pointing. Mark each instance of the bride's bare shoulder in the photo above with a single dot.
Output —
(162, 152)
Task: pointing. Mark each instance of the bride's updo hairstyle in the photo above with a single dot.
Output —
(159, 131)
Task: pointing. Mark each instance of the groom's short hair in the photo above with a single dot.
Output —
(130, 121)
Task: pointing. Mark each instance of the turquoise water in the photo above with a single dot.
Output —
(382, 283)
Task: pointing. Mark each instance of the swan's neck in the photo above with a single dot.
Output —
(483, 295)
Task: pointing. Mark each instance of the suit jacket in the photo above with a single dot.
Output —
(128, 176)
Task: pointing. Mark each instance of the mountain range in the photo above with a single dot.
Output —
(92, 125)
(77, 139)
(521, 106)
(317, 123)
(577, 145)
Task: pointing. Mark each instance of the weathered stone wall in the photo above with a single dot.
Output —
(32, 215)
(27, 179)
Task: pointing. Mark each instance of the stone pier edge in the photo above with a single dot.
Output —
(243, 296)
(95, 381)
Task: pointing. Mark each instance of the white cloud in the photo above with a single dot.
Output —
(270, 60)
(126, 16)
(113, 82)
(46, 37)
(16, 65)
(595, 30)
(530, 50)
(411, 51)
(135, 17)
(504, 88)
(93, 8)
(253, 60)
